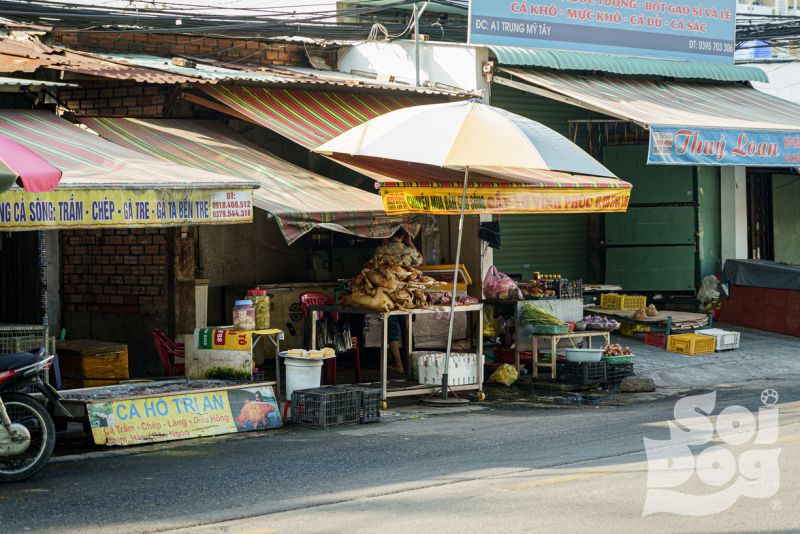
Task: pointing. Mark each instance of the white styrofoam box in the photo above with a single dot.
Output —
(726, 339)
(462, 369)
(415, 356)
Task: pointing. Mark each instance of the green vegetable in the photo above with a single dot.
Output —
(534, 315)
(227, 373)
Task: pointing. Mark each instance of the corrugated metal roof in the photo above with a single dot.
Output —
(631, 66)
(214, 72)
(21, 82)
(27, 56)
(678, 103)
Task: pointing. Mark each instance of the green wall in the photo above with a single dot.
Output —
(786, 222)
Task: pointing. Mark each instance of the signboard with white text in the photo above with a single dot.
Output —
(673, 29)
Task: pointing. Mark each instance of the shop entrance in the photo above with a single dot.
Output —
(760, 235)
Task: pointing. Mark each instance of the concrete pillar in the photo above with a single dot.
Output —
(184, 282)
(733, 212)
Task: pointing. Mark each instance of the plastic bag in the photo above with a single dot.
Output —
(490, 327)
(500, 286)
(506, 374)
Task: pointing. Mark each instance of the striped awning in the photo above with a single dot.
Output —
(105, 185)
(309, 118)
(298, 199)
(691, 123)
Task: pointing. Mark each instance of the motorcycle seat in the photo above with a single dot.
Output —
(10, 362)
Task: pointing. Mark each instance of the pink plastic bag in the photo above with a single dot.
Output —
(500, 286)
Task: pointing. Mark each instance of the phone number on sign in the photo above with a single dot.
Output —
(228, 213)
(710, 46)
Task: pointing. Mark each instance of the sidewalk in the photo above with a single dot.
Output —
(761, 355)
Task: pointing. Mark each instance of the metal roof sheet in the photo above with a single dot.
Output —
(666, 103)
(626, 65)
(214, 72)
(21, 82)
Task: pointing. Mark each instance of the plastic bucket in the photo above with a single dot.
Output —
(302, 374)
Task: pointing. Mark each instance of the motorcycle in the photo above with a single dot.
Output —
(27, 429)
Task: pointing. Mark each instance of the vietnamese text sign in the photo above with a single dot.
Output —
(718, 146)
(447, 200)
(107, 208)
(675, 29)
(185, 415)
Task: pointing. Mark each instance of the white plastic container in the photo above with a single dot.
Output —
(302, 374)
(726, 339)
(463, 369)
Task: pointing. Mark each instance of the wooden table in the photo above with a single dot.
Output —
(554, 339)
(417, 389)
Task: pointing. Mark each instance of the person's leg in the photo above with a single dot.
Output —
(395, 337)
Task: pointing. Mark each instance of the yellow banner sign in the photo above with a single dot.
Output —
(185, 415)
(447, 200)
(109, 208)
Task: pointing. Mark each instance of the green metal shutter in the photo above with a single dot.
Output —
(551, 244)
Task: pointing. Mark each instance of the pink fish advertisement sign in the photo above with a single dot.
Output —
(184, 415)
(719, 146)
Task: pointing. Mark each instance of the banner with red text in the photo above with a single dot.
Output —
(497, 200)
(670, 145)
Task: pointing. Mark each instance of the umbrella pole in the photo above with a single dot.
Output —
(445, 385)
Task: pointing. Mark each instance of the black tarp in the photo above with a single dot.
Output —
(761, 273)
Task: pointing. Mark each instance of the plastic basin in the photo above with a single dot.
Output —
(584, 355)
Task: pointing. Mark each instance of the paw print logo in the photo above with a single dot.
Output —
(769, 397)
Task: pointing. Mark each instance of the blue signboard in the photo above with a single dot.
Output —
(671, 145)
(673, 29)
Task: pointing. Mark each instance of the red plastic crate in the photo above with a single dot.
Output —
(655, 339)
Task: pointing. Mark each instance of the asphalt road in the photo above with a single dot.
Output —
(513, 470)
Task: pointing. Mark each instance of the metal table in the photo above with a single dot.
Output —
(383, 316)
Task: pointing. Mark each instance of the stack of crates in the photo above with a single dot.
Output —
(691, 344)
(326, 406)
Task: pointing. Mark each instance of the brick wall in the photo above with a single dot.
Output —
(114, 271)
(240, 50)
(115, 99)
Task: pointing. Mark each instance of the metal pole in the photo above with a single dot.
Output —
(417, 14)
(445, 384)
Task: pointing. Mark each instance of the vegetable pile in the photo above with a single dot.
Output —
(616, 350)
(535, 315)
(599, 322)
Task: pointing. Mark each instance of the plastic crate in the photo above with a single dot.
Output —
(581, 373)
(551, 329)
(691, 344)
(615, 374)
(326, 406)
(629, 329)
(725, 339)
(655, 339)
(632, 302)
(609, 301)
(370, 405)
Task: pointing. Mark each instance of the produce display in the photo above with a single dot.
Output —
(651, 311)
(384, 284)
(538, 316)
(447, 298)
(616, 349)
(599, 322)
(640, 315)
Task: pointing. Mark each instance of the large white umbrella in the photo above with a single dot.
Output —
(461, 135)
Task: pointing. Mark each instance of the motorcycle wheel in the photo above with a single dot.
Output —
(29, 412)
